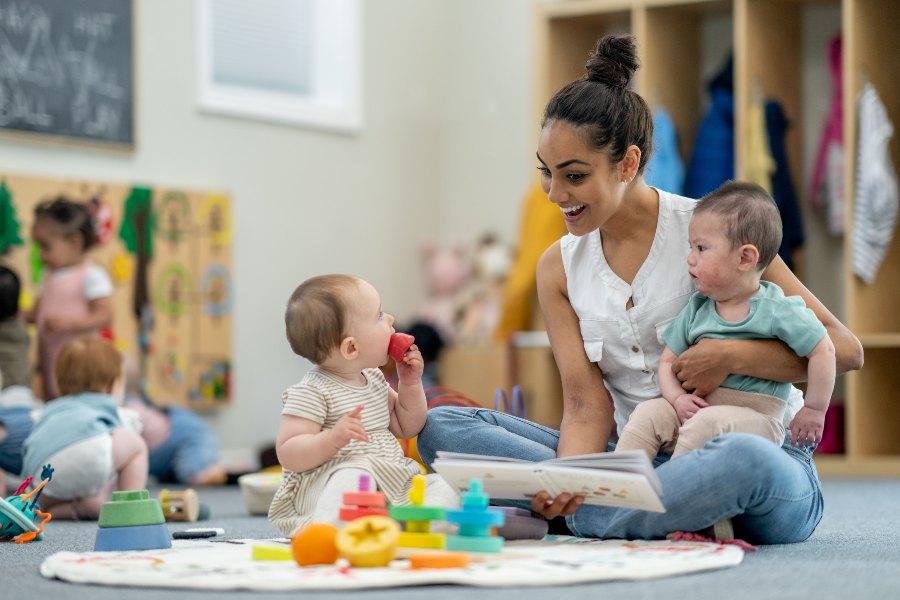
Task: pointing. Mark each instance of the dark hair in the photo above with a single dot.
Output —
(70, 216)
(750, 215)
(316, 316)
(10, 288)
(612, 116)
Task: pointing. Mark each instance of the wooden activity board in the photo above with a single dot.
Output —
(168, 253)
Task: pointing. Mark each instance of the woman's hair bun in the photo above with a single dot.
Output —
(613, 61)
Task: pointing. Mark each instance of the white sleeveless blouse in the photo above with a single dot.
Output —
(627, 344)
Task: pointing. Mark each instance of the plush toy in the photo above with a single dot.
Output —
(448, 272)
(484, 296)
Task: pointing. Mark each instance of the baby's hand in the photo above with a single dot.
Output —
(807, 427)
(349, 427)
(409, 370)
(687, 405)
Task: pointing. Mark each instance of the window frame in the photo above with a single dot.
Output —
(336, 100)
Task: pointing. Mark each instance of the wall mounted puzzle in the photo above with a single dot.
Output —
(168, 252)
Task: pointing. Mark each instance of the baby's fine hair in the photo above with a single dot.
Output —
(611, 116)
(87, 364)
(317, 314)
(69, 216)
(750, 216)
(10, 288)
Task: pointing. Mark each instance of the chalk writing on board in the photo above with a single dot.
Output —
(65, 68)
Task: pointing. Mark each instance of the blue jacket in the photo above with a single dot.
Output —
(712, 161)
(664, 169)
(782, 185)
(65, 421)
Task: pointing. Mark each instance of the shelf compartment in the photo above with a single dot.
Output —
(873, 413)
(678, 56)
(871, 45)
(566, 33)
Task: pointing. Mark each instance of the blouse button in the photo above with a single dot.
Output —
(635, 349)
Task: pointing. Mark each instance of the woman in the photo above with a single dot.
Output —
(607, 290)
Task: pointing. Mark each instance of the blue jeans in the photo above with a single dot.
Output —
(771, 494)
(18, 424)
(191, 447)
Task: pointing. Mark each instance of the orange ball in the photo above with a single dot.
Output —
(315, 545)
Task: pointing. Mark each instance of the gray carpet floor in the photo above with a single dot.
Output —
(855, 553)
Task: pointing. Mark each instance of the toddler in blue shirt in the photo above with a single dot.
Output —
(81, 434)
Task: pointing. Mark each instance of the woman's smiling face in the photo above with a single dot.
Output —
(582, 181)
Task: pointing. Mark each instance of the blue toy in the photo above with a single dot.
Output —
(17, 512)
(475, 521)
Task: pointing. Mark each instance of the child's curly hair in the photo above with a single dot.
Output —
(70, 216)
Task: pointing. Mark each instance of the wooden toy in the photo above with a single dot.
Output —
(369, 541)
(315, 544)
(131, 521)
(418, 519)
(399, 344)
(17, 512)
(363, 503)
(475, 521)
(180, 506)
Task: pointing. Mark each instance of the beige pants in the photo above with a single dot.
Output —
(654, 427)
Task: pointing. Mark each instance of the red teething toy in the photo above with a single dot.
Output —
(399, 344)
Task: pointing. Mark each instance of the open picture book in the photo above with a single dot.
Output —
(625, 479)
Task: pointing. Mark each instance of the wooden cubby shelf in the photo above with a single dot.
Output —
(681, 44)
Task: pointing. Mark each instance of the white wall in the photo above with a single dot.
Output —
(491, 133)
(444, 153)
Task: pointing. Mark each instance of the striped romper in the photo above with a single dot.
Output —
(323, 399)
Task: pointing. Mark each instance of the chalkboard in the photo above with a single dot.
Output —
(66, 69)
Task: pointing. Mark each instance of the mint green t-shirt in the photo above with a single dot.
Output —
(772, 316)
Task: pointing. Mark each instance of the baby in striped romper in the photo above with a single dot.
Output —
(343, 418)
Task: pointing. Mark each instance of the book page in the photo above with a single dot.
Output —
(627, 461)
(501, 480)
(605, 460)
(522, 480)
(607, 488)
(482, 457)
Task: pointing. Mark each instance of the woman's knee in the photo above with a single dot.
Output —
(442, 417)
(754, 455)
(441, 421)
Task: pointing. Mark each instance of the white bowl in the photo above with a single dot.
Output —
(258, 490)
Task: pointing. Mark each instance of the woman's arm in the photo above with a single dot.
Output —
(705, 365)
(587, 411)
